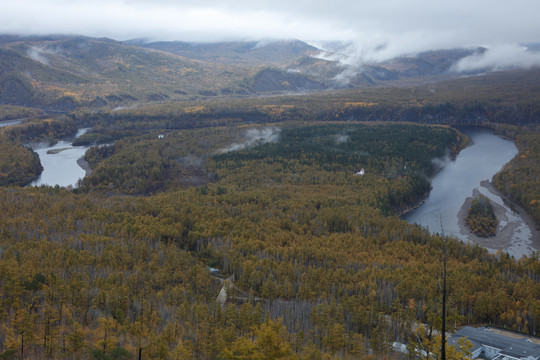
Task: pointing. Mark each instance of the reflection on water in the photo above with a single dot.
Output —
(60, 163)
(457, 181)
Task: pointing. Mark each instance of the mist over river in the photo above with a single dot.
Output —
(467, 176)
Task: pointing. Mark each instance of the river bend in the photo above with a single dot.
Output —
(467, 176)
(59, 163)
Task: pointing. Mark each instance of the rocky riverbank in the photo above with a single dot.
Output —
(510, 237)
(84, 165)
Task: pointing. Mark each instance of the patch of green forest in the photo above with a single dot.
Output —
(10, 112)
(400, 154)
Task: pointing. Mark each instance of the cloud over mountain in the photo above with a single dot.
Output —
(375, 31)
(500, 57)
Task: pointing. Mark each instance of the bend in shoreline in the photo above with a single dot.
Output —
(504, 239)
(85, 166)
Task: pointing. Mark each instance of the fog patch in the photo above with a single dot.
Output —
(191, 160)
(441, 162)
(340, 53)
(345, 77)
(501, 57)
(121, 107)
(268, 42)
(38, 54)
(341, 139)
(354, 56)
(254, 137)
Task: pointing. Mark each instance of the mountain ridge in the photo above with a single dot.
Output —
(62, 72)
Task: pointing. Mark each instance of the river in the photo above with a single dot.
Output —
(9, 123)
(467, 176)
(59, 163)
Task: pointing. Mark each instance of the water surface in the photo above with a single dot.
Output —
(9, 123)
(458, 180)
(59, 163)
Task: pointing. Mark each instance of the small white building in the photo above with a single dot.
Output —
(361, 172)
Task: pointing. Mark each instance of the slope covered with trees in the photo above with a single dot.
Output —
(503, 98)
(66, 73)
(19, 165)
(519, 178)
(321, 268)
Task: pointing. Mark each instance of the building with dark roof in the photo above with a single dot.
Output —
(493, 346)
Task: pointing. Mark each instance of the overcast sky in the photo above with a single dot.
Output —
(378, 29)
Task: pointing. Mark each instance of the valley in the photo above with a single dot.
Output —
(250, 162)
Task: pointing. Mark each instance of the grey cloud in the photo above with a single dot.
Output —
(498, 58)
(374, 30)
(37, 54)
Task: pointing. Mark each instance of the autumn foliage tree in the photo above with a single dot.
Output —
(321, 266)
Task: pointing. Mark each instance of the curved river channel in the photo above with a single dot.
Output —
(468, 176)
(59, 163)
(452, 189)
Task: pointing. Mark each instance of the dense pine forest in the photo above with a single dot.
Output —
(295, 200)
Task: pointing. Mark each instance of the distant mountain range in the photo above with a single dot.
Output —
(68, 72)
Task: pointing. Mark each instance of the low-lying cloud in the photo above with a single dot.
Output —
(374, 31)
(342, 138)
(255, 137)
(37, 54)
(501, 57)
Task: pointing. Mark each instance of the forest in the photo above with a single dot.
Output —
(313, 259)
(519, 178)
(220, 222)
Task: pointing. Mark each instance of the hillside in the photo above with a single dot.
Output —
(68, 72)
(252, 53)
(65, 73)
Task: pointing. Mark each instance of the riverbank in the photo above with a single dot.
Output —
(405, 210)
(85, 166)
(5, 123)
(458, 181)
(440, 163)
(505, 239)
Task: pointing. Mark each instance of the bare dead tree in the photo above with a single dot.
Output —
(443, 326)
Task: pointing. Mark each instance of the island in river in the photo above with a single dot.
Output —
(512, 219)
(460, 180)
